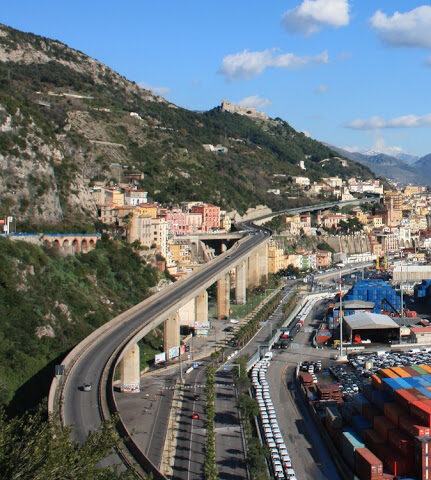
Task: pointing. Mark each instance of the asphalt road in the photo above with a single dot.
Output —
(229, 443)
(80, 409)
(310, 458)
(191, 435)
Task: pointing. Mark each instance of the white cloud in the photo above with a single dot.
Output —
(306, 133)
(247, 64)
(406, 121)
(410, 29)
(163, 91)
(321, 89)
(254, 101)
(313, 15)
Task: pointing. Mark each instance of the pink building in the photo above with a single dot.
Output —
(183, 223)
(210, 216)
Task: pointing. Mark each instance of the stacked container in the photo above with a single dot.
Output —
(350, 442)
(367, 465)
(375, 291)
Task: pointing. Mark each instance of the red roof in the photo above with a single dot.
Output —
(421, 329)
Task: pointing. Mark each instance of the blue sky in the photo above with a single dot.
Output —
(354, 73)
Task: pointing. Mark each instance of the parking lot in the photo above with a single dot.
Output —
(356, 373)
(281, 464)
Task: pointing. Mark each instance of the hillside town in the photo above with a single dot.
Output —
(179, 234)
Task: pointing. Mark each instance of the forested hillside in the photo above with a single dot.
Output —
(65, 120)
(48, 303)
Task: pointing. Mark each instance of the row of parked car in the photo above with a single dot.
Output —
(281, 463)
(350, 381)
(382, 359)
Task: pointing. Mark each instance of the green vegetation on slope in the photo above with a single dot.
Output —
(61, 300)
(61, 134)
(34, 449)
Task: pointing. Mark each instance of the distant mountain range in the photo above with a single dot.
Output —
(403, 168)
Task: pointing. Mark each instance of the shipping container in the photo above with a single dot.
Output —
(370, 411)
(421, 411)
(372, 439)
(419, 369)
(383, 426)
(411, 371)
(395, 464)
(359, 424)
(376, 381)
(393, 411)
(359, 401)
(427, 368)
(425, 391)
(409, 425)
(367, 465)
(380, 398)
(387, 373)
(334, 417)
(400, 372)
(390, 385)
(368, 390)
(350, 441)
(401, 442)
(405, 398)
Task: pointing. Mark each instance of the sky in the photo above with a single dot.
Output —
(352, 73)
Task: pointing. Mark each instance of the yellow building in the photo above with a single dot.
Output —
(117, 197)
(148, 210)
(180, 251)
(112, 214)
(413, 190)
(276, 258)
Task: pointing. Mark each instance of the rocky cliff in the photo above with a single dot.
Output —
(68, 121)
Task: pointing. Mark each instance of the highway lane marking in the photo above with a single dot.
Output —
(154, 424)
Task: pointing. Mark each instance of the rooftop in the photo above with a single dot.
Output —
(369, 321)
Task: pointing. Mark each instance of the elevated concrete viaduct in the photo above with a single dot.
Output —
(96, 358)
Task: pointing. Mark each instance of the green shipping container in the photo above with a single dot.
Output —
(419, 369)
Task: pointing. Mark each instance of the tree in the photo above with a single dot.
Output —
(352, 225)
(32, 448)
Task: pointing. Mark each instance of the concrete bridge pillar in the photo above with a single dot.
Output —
(223, 247)
(263, 263)
(187, 314)
(171, 332)
(223, 296)
(253, 270)
(130, 370)
(241, 284)
(201, 307)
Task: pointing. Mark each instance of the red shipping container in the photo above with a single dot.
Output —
(372, 439)
(419, 395)
(411, 371)
(401, 442)
(393, 411)
(422, 412)
(405, 397)
(395, 464)
(369, 411)
(367, 465)
(383, 426)
(409, 425)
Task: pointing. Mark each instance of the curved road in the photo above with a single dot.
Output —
(81, 409)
